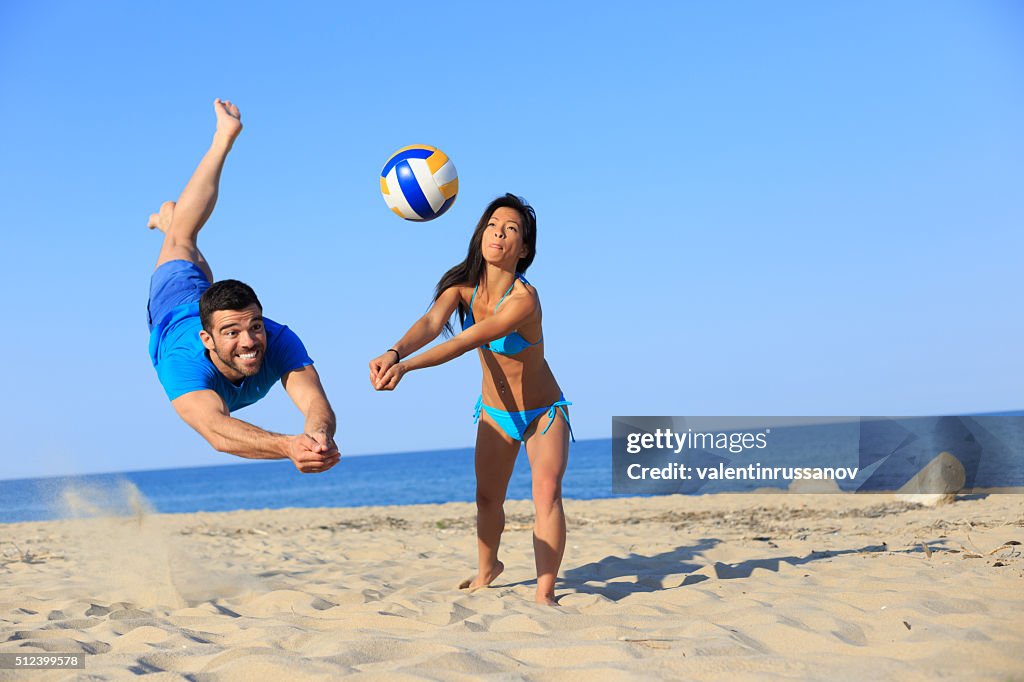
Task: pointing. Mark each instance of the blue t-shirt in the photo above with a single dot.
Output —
(181, 362)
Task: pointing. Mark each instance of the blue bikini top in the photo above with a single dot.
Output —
(507, 345)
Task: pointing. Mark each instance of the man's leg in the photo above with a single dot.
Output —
(180, 222)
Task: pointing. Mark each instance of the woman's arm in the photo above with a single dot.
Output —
(514, 312)
(422, 332)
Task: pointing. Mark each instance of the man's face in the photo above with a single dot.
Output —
(237, 342)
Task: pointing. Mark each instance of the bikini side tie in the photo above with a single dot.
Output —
(553, 412)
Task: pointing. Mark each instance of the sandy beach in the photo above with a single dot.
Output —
(719, 587)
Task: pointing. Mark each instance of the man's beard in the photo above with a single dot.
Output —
(235, 363)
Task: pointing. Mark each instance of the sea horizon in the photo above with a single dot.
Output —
(447, 475)
(399, 478)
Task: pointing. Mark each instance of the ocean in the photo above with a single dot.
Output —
(406, 478)
(887, 453)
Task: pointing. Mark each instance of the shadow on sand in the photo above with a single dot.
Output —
(652, 572)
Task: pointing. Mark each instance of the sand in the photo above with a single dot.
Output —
(725, 587)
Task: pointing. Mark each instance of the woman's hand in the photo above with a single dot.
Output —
(381, 364)
(389, 379)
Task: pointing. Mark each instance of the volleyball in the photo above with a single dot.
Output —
(419, 182)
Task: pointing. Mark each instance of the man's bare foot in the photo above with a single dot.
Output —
(162, 220)
(482, 580)
(229, 120)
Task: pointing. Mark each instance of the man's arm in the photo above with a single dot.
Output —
(206, 412)
(304, 387)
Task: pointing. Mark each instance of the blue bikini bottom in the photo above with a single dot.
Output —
(515, 424)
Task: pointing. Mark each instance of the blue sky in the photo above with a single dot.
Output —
(744, 208)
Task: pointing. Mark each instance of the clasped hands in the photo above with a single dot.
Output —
(313, 453)
(386, 371)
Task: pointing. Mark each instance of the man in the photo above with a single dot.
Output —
(213, 350)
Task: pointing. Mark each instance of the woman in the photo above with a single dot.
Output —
(520, 403)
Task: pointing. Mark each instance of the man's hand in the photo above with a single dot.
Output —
(325, 441)
(310, 456)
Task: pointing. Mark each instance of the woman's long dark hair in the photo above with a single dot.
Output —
(471, 270)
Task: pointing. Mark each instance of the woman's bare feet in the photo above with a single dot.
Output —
(162, 220)
(482, 579)
(545, 599)
(229, 120)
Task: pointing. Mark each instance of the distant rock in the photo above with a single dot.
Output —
(935, 484)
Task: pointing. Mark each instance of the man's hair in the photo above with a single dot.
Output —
(227, 294)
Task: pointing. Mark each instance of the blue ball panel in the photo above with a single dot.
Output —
(412, 192)
(416, 153)
(445, 206)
